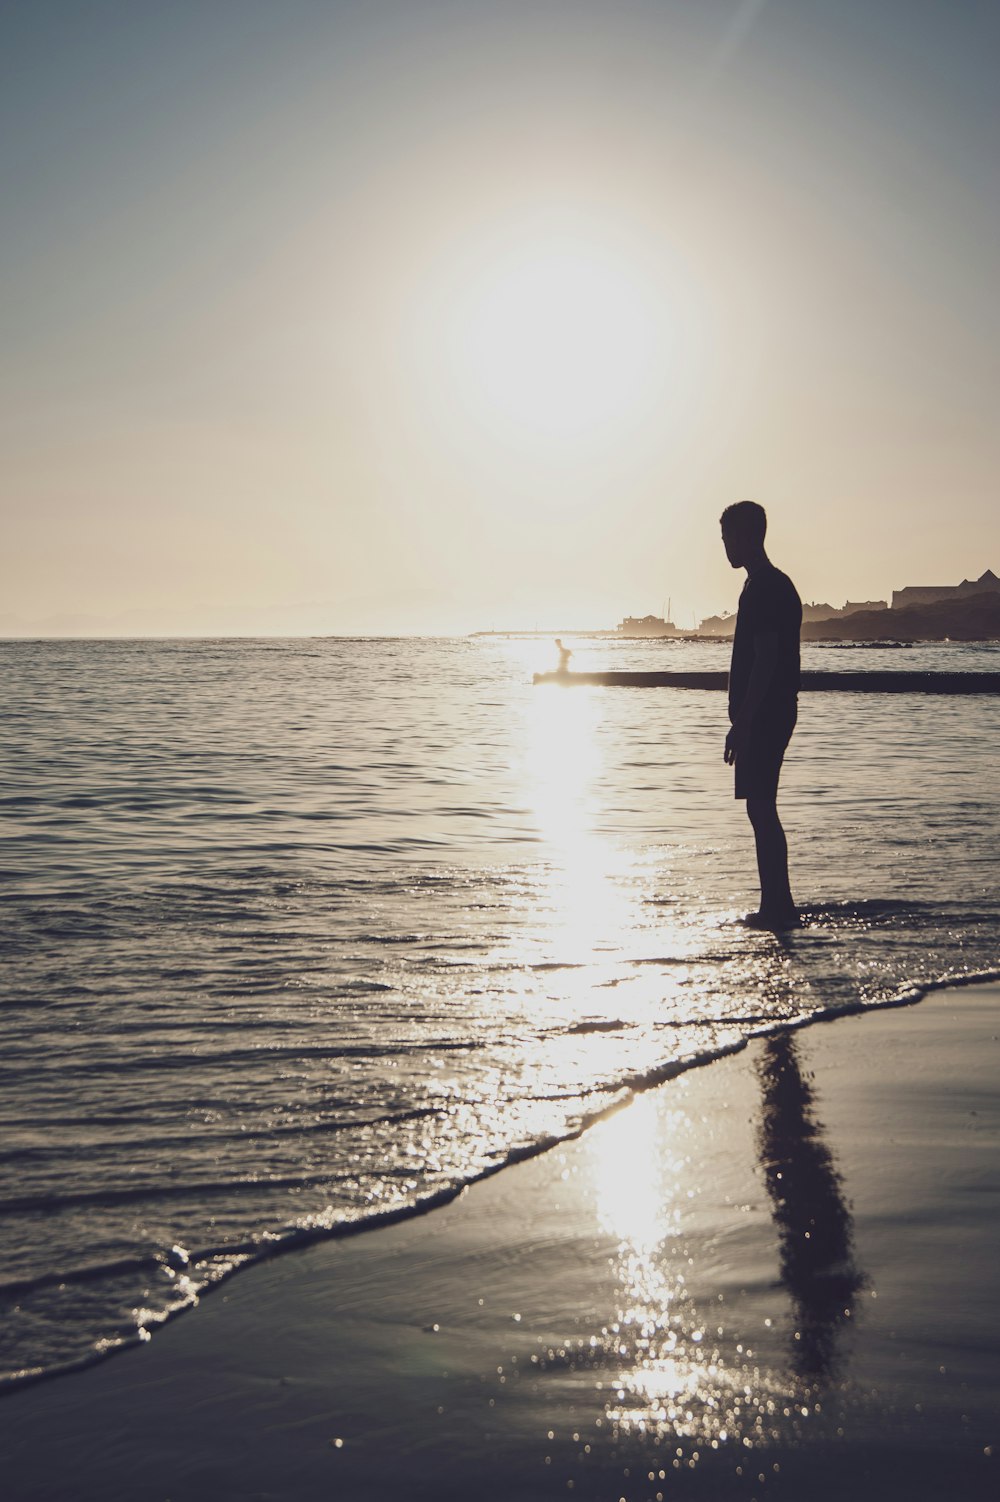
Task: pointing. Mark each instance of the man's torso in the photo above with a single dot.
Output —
(769, 604)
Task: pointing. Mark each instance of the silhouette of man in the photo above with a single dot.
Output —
(565, 653)
(763, 701)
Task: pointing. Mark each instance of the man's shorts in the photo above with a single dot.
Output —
(758, 767)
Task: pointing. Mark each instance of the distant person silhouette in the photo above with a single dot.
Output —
(763, 701)
(565, 653)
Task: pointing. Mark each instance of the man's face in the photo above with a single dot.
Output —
(735, 546)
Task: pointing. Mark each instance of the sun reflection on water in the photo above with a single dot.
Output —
(588, 904)
(667, 1360)
(562, 761)
(640, 1185)
(674, 1375)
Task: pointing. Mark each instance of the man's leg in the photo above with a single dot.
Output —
(772, 860)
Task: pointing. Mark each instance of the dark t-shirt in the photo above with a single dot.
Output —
(769, 602)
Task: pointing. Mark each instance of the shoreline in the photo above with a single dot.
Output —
(742, 1273)
(304, 1239)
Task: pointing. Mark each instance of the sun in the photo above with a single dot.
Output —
(556, 342)
(553, 340)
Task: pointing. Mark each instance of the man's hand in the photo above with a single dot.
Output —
(736, 742)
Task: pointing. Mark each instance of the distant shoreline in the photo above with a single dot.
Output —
(808, 638)
(976, 618)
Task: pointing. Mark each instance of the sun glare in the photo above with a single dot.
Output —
(552, 336)
(556, 342)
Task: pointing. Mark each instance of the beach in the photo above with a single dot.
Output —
(775, 1275)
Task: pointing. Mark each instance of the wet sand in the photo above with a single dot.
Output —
(773, 1277)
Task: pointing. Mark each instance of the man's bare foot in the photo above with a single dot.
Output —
(773, 922)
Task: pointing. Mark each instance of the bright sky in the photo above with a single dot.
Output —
(437, 315)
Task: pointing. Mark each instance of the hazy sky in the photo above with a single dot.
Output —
(436, 315)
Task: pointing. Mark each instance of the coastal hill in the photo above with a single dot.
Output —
(969, 618)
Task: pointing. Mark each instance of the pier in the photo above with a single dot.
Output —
(875, 682)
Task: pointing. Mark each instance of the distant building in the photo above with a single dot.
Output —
(725, 624)
(831, 613)
(718, 625)
(646, 625)
(929, 594)
(852, 606)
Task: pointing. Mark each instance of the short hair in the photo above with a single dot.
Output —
(746, 517)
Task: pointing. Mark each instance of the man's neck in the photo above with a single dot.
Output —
(759, 561)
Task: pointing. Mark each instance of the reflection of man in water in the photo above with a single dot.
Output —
(564, 656)
(763, 701)
(816, 1237)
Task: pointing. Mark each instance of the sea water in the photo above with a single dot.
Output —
(305, 934)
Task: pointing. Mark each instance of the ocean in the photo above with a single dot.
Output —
(304, 934)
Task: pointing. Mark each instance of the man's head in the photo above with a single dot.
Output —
(743, 529)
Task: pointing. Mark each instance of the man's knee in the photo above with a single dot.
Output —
(762, 812)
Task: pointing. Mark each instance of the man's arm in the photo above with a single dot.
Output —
(765, 657)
